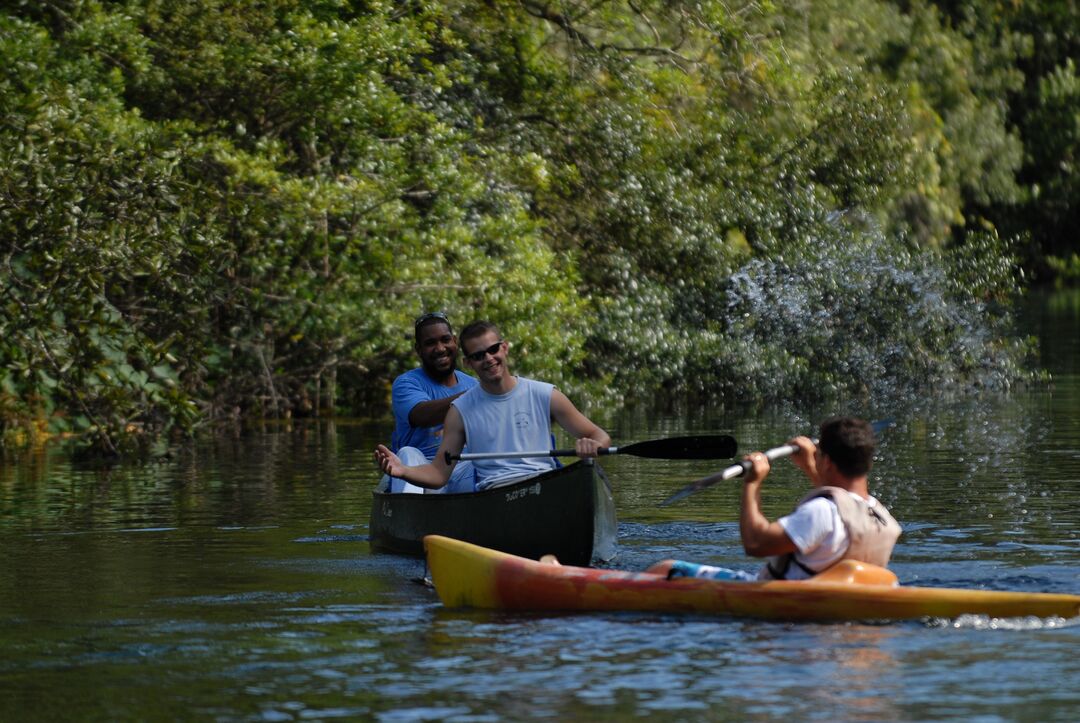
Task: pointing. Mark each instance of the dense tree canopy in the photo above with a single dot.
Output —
(217, 209)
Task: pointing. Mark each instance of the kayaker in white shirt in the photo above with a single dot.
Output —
(839, 519)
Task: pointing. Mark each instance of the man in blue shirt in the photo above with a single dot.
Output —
(421, 398)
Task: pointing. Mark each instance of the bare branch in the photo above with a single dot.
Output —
(545, 13)
(407, 288)
(641, 14)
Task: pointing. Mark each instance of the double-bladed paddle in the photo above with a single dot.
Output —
(695, 447)
(741, 468)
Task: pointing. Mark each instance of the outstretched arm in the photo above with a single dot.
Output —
(760, 537)
(589, 436)
(436, 473)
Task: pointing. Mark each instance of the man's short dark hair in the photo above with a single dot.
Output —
(850, 444)
(425, 320)
(475, 329)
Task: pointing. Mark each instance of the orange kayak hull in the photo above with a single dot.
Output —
(467, 575)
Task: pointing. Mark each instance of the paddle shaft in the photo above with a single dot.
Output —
(739, 469)
(523, 455)
(694, 447)
(735, 470)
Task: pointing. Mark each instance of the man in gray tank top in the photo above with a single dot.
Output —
(504, 413)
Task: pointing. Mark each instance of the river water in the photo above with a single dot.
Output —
(235, 582)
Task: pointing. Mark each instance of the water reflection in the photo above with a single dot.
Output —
(670, 666)
(854, 663)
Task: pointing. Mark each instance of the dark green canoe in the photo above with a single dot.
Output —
(567, 512)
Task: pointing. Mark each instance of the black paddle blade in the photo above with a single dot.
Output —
(698, 485)
(720, 446)
(682, 494)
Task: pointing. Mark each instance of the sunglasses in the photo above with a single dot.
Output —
(479, 355)
(437, 315)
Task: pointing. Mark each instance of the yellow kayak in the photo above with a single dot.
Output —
(467, 575)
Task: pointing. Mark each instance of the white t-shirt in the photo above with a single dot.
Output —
(818, 533)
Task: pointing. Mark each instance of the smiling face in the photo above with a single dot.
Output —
(486, 356)
(437, 348)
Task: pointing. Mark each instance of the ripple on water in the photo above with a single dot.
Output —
(985, 622)
(426, 713)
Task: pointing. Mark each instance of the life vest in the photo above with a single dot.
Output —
(872, 531)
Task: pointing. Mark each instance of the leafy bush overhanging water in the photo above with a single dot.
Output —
(211, 211)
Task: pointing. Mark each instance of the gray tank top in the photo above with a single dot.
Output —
(518, 421)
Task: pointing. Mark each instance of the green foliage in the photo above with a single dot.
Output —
(958, 153)
(86, 183)
(219, 209)
(1034, 45)
(1066, 270)
(1056, 120)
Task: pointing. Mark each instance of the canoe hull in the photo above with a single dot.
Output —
(568, 512)
(469, 576)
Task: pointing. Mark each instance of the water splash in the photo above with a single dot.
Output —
(862, 314)
(985, 622)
